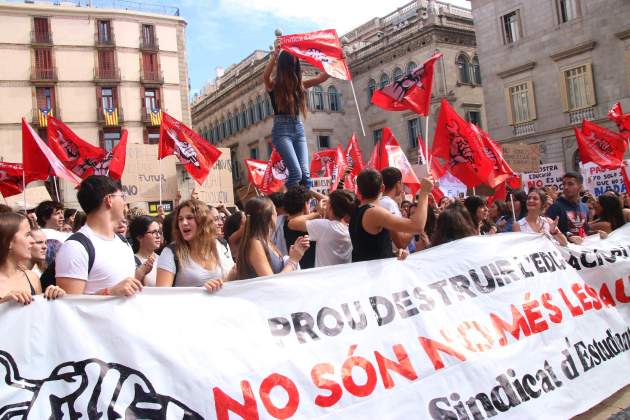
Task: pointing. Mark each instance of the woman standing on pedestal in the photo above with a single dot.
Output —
(288, 93)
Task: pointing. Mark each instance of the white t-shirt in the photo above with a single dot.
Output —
(150, 277)
(52, 234)
(191, 274)
(113, 261)
(391, 206)
(333, 241)
(526, 228)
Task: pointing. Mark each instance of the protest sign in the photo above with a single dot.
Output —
(452, 187)
(522, 157)
(547, 174)
(508, 326)
(217, 187)
(321, 185)
(141, 177)
(598, 180)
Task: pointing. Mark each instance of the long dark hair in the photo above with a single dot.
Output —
(521, 197)
(452, 224)
(9, 225)
(259, 211)
(611, 211)
(288, 89)
(472, 204)
(139, 227)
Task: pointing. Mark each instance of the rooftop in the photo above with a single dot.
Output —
(127, 5)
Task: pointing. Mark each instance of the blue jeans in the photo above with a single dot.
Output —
(287, 136)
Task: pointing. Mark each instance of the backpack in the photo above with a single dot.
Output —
(49, 278)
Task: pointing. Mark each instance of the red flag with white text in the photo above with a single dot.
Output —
(387, 152)
(255, 171)
(196, 154)
(321, 49)
(501, 170)
(275, 175)
(329, 163)
(10, 178)
(456, 142)
(411, 92)
(39, 161)
(622, 120)
(600, 145)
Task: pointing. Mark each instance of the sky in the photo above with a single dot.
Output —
(224, 32)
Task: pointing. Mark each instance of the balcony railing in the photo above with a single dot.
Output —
(109, 75)
(149, 44)
(39, 118)
(525, 128)
(113, 119)
(43, 74)
(41, 38)
(576, 117)
(104, 42)
(151, 76)
(146, 117)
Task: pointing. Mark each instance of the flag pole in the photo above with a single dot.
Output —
(56, 188)
(160, 171)
(24, 189)
(354, 94)
(513, 213)
(426, 140)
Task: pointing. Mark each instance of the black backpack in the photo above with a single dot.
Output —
(48, 277)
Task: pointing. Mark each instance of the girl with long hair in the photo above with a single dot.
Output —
(608, 213)
(519, 200)
(453, 223)
(257, 254)
(478, 211)
(535, 220)
(17, 284)
(192, 260)
(287, 92)
(146, 237)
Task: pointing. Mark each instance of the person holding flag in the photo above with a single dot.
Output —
(287, 92)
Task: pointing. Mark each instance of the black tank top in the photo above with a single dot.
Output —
(365, 246)
(290, 236)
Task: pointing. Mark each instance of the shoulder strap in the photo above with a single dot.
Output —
(122, 238)
(137, 260)
(87, 244)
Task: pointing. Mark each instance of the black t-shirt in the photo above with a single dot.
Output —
(365, 246)
(573, 217)
(290, 236)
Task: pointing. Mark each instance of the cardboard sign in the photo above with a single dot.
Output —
(141, 178)
(321, 185)
(522, 157)
(218, 186)
(598, 180)
(549, 174)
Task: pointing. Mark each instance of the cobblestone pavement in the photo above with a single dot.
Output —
(616, 407)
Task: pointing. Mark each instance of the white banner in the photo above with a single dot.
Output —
(485, 326)
(548, 174)
(598, 180)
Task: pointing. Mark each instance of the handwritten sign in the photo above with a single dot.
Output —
(548, 174)
(522, 157)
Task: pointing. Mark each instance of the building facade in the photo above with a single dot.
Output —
(548, 65)
(235, 111)
(98, 70)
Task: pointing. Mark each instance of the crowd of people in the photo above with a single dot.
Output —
(109, 249)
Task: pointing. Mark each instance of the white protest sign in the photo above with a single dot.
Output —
(547, 174)
(598, 180)
(452, 187)
(322, 184)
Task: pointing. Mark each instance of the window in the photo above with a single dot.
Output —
(377, 135)
(148, 36)
(577, 87)
(511, 26)
(323, 142)
(240, 122)
(106, 69)
(251, 117)
(476, 71)
(463, 68)
(107, 98)
(153, 135)
(43, 63)
(104, 32)
(371, 89)
(224, 129)
(253, 151)
(567, 10)
(151, 99)
(520, 103)
(384, 80)
(268, 108)
(228, 126)
(45, 98)
(41, 30)
(398, 74)
(150, 66)
(414, 130)
(474, 117)
(234, 123)
(333, 99)
(260, 110)
(411, 66)
(110, 139)
(318, 98)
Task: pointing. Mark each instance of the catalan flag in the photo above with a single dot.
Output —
(42, 116)
(156, 116)
(111, 116)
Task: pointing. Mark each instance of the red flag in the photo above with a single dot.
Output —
(354, 156)
(599, 145)
(321, 49)
(514, 182)
(625, 172)
(456, 142)
(255, 171)
(114, 163)
(275, 175)
(622, 120)
(501, 170)
(75, 153)
(196, 154)
(412, 92)
(39, 161)
(10, 178)
(388, 153)
(329, 163)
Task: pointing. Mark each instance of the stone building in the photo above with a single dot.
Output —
(548, 64)
(234, 111)
(98, 70)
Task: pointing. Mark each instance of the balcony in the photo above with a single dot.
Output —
(104, 42)
(38, 119)
(151, 77)
(146, 118)
(114, 119)
(149, 44)
(43, 74)
(523, 129)
(106, 76)
(576, 117)
(41, 38)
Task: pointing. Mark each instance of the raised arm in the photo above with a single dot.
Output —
(319, 79)
(269, 69)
